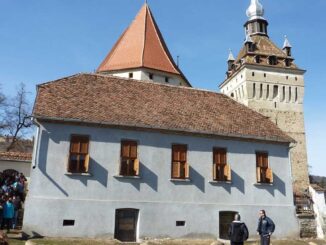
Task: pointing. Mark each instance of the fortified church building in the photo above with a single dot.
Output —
(133, 151)
(266, 79)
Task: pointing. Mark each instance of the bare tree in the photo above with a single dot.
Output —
(17, 119)
(2, 108)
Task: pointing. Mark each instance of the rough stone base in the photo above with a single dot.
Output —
(308, 226)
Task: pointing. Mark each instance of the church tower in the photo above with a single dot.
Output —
(265, 78)
(141, 53)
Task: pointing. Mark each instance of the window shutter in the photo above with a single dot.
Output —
(258, 174)
(214, 171)
(74, 146)
(124, 149)
(175, 153)
(68, 164)
(133, 150)
(136, 166)
(84, 145)
(187, 170)
(183, 153)
(269, 175)
(175, 169)
(86, 163)
(227, 172)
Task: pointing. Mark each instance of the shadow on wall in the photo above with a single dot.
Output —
(147, 176)
(278, 185)
(98, 173)
(42, 159)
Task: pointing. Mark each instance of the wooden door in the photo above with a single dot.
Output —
(226, 218)
(126, 224)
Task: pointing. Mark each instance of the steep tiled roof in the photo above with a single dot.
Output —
(141, 45)
(16, 156)
(113, 101)
(264, 47)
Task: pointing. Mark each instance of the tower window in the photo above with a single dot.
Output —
(131, 75)
(283, 93)
(267, 92)
(150, 75)
(275, 91)
(287, 62)
(253, 74)
(257, 59)
(264, 74)
(290, 94)
(261, 91)
(296, 95)
(254, 91)
(272, 60)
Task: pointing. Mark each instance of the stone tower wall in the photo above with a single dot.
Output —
(277, 94)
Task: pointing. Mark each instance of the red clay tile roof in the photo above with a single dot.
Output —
(16, 156)
(113, 101)
(141, 45)
(264, 47)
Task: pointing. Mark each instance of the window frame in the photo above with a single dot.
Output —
(181, 165)
(79, 153)
(264, 173)
(129, 165)
(221, 169)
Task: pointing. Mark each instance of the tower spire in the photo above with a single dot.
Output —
(256, 23)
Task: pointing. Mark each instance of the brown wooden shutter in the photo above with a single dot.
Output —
(86, 163)
(187, 170)
(136, 166)
(269, 175)
(125, 149)
(258, 174)
(227, 172)
(84, 145)
(74, 145)
(183, 153)
(133, 150)
(175, 169)
(214, 171)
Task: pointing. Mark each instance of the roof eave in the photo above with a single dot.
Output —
(277, 140)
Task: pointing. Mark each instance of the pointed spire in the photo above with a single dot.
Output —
(140, 46)
(286, 43)
(231, 57)
(255, 10)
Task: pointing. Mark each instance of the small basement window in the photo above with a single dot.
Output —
(181, 223)
(131, 75)
(166, 79)
(68, 222)
(151, 76)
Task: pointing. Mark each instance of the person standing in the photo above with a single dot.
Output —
(8, 213)
(238, 231)
(265, 228)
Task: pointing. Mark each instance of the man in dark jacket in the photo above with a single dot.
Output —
(265, 228)
(238, 231)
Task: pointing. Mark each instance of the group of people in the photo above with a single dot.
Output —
(12, 195)
(238, 231)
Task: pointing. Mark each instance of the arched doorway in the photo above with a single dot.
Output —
(225, 218)
(126, 221)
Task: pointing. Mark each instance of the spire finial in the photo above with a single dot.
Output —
(286, 43)
(231, 57)
(255, 10)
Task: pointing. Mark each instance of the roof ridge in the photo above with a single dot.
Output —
(145, 31)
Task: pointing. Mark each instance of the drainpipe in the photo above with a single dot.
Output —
(36, 142)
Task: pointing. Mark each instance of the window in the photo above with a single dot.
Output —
(68, 222)
(272, 60)
(287, 62)
(275, 91)
(180, 223)
(252, 74)
(131, 75)
(264, 173)
(129, 165)
(166, 79)
(257, 59)
(221, 170)
(78, 155)
(150, 75)
(180, 168)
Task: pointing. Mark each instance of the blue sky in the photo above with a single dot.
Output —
(46, 40)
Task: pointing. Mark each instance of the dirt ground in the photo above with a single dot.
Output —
(49, 241)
